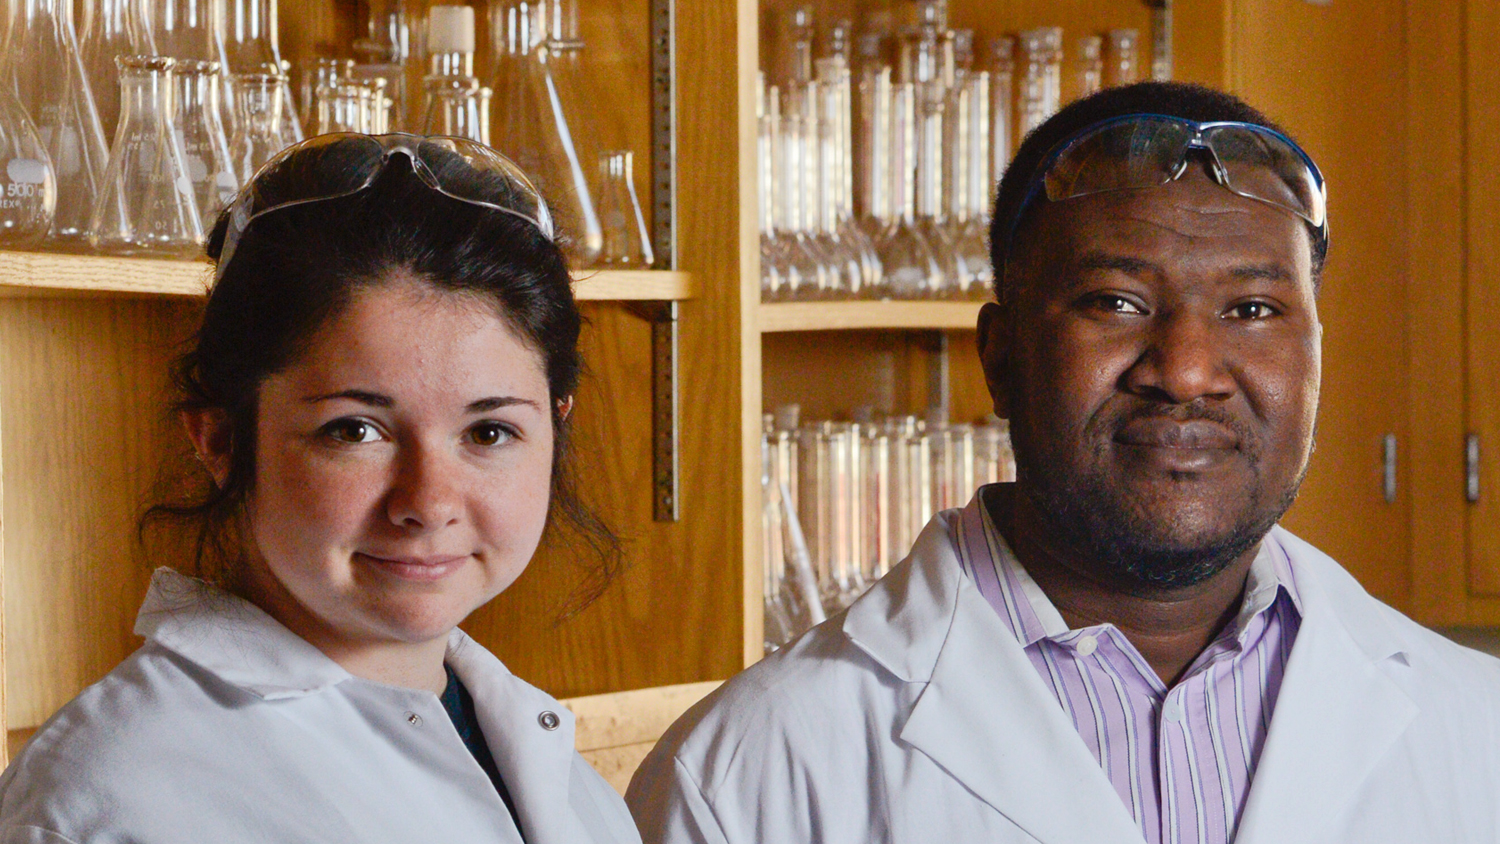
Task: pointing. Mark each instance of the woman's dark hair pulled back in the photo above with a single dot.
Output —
(296, 268)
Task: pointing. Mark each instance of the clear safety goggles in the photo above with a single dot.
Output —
(1138, 151)
(345, 163)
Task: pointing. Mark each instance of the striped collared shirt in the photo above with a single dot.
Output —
(1181, 758)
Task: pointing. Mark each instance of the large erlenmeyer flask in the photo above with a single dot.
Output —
(186, 29)
(147, 204)
(28, 189)
(54, 90)
(110, 28)
(257, 121)
(250, 43)
(529, 125)
(205, 147)
(457, 106)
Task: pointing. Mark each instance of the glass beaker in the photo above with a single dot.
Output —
(457, 106)
(251, 45)
(627, 243)
(54, 90)
(257, 126)
(1090, 65)
(205, 147)
(531, 127)
(28, 187)
(110, 28)
(1121, 56)
(146, 207)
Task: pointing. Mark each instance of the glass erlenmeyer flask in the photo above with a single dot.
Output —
(529, 125)
(457, 106)
(251, 45)
(324, 73)
(147, 204)
(110, 28)
(257, 124)
(28, 187)
(205, 147)
(345, 107)
(911, 269)
(54, 91)
(186, 29)
(627, 243)
(383, 52)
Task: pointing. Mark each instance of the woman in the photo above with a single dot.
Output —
(379, 393)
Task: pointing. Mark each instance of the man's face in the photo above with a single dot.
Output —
(1159, 364)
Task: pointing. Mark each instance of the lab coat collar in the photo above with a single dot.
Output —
(232, 639)
(927, 623)
(535, 763)
(1339, 711)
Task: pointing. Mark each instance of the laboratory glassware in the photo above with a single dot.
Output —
(1039, 88)
(777, 625)
(772, 260)
(251, 45)
(147, 204)
(110, 28)
(875, 540)
(344, 107)
(529, 125)
(205, 146)
(53, 88)
(627, 243)
(911, 269)
(325, 73)
(826, 156)
(994, 462)
(458, 106)
(807, 272)
(383, 53)
(955, 278)
(1090, 65)
(28, 186)
(186, 29)
(450, 40)
(972, 230)
(1002, 104)
(1121, 56)
(846, 227)
(258, 98)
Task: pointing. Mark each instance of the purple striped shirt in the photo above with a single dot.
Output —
(1181, 758)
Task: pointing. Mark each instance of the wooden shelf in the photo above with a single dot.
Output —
(30, 274)
(833, 316)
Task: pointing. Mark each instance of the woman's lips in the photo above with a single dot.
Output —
(420, 569)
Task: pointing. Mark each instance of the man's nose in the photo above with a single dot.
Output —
(1186, 358)
(424, 495)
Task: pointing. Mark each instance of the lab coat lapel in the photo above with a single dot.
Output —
(535, 763)
(984, 716)
(1338, 712)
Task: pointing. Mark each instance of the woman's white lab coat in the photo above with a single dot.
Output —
(226, 727)
(916, 717)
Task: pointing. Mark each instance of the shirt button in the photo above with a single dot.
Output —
(1172, 711)
(1087, 645)
(548, 720)
(414, 719)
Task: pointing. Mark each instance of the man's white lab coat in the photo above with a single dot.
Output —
(227, 727)
(916, 717)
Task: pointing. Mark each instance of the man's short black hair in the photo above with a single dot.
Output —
(1172, 99)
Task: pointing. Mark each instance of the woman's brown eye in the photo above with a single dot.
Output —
(351, 431)
(490, 433)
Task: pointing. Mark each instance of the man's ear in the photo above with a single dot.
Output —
(994, 336)
(212, 436)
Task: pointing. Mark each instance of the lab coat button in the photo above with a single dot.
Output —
(1087, 645)
(548, 720)
(414, 719)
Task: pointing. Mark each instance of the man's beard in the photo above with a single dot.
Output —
(1094, 519)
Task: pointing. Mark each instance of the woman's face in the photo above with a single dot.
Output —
(403, 468)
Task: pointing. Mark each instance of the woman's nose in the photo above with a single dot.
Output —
(424, 495)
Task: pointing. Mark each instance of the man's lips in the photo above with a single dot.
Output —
(1164, 433)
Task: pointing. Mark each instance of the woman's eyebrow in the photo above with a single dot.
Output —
(361, 396)
(497, 402)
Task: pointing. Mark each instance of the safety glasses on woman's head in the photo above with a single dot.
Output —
(1149, 150)
(341, 164)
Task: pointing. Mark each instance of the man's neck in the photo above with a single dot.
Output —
(1169, 628)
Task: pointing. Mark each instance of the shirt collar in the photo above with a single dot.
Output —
(232, 639)
(1270, 575)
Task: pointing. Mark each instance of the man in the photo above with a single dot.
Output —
(1121, 646)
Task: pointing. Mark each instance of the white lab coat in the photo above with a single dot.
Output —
(227, 727)
(916, 717)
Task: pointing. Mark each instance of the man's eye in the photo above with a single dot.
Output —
(351, 431)
(1115, 304)
(1251, 310)
(490, 433)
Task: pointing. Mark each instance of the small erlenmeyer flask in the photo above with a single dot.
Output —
(54, 91)
(205, 147)
(343, 108)
(530, 126)
(110, 28)
(147, 204)
(28, 188)
(325, 73)
(627, 244)
(251, 45)
(457, 106)
(257, 124)
(384, 51)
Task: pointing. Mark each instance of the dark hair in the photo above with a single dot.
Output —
(298, 267)
(1173, 99)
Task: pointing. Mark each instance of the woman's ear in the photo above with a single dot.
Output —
(213, 438)
(564, 408)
